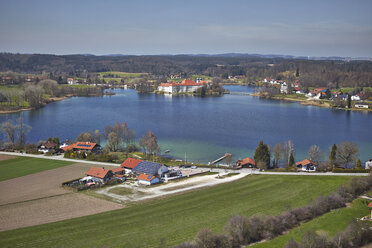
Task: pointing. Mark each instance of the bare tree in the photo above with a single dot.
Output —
(347, 152)
(314, 153)
(288, 150)
(9, 130)
(277, 153)
(114, 142)
(85, 137)
(149, 143)
(34, 95)
(22, 130)
(97, 137)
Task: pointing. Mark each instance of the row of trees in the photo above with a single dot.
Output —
(357, 234)
(344, 155)
(241, 231)
(120, 137)
(35, 93)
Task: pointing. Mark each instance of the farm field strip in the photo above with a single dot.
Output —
(330, 223)
(179, 217)
(22, 166)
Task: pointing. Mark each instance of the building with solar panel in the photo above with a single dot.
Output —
(150, 168)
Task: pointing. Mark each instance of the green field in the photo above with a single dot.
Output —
(22, 166)
(330, 223)
(122, 74)
(177, 218)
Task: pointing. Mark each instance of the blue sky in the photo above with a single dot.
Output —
(309, 28)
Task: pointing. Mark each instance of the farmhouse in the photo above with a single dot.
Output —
(147, 179)
(186, 86)
(99, 174)
(47, 147)
(83, 147)
(118, 171)
(247, 162)
(306, 165)
(150, 168)
(129, 164)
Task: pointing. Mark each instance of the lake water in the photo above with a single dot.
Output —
(205, 128)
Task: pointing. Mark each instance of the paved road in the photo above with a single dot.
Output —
(221, 170)
(60, 157)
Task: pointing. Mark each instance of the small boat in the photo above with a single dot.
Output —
(166, 151)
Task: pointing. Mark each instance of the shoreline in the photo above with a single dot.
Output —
(49, 100)
(313, 103)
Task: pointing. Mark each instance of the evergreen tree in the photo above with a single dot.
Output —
(291, 161)
(297, 72)
(358, 165)
(349, 101)
(332, 155)
(262, 154)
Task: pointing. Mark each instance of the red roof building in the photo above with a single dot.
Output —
(130, 163)
(304, 162)
(118, 170)
(81, 146)
(100, 173)
(247, 162)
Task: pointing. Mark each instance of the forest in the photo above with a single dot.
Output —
(311, 73)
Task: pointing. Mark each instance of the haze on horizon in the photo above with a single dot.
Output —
(300, 28)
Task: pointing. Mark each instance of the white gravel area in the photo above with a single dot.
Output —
(140, 192)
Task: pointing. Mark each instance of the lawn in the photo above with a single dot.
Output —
(22, 166)
(177, 218)
(330, 223)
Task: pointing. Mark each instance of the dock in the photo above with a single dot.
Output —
(221, 158)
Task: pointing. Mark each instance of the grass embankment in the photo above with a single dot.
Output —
(22, 166)
(330, 223)
(177, 218)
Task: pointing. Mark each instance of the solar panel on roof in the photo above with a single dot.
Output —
(149, 177)
(82, 145)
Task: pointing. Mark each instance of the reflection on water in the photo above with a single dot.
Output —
(204, 128)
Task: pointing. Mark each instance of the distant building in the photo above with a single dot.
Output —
(306, 165)
(246, 162)
(71, 81)
(284, 88)
(47, 147)
(186, 86)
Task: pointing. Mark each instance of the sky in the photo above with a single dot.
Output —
(287, 27)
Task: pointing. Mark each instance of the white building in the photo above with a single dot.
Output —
(368, 164)
(284, 88)
(186, 86)
(355, 98)
(71, 81)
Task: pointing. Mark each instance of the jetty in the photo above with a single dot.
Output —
(221, 158)
(240, 93)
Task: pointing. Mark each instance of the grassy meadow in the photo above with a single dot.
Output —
(22, 166)
(177, 218)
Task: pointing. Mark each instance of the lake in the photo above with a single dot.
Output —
(204, 128)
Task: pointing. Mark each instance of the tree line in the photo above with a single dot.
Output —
(345, 155)
(311, 73)
(35, 94)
